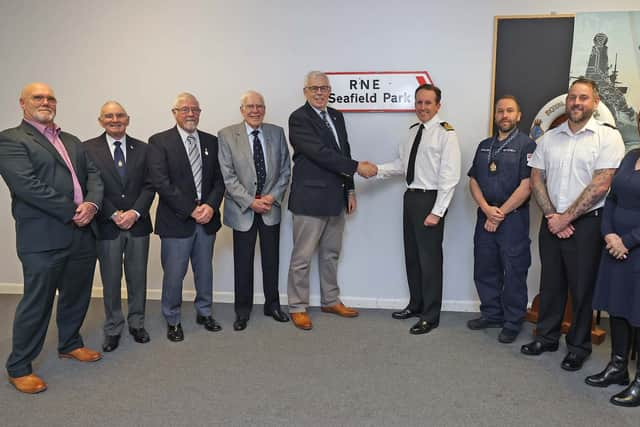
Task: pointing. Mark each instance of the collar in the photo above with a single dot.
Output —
(111, 140)
(434, 121)
(250, 130)
(184, 134)
(591, 126)
(44, 129)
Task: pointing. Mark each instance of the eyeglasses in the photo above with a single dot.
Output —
(39, 99)
(321, 89)
(253, 107)
(186, 110)
(111, 116)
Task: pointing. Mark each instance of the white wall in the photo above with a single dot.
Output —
(143, 53)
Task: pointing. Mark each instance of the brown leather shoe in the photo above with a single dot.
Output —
(30, 384)
(341, 310)
(302, 320)
(82, 354)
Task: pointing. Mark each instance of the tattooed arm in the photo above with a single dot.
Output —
(590, 196)
(539, 190)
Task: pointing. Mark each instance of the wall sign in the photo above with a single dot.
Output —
(375, 91)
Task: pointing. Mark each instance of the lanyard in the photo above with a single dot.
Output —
(493, 155)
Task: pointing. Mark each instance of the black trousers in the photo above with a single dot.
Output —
(244, 244)
(569, 265)
(423, 255)
(70, 272)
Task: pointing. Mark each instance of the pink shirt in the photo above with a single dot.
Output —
(53, 136)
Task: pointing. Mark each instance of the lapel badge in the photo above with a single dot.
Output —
(206, 152)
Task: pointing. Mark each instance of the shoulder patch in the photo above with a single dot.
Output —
(609, 125)
(446, 126)
(414, 125)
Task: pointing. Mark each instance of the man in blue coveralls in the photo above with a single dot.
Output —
(499, 183)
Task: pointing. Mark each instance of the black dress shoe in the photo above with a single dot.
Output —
(482, 323)
(422, 327)
(277, 314)
(630, 396)
(536, 348)
(240, 324)
(209, 323)
(507, 336)
(110, 342)
(174, 332)
(572, 361)
(615, 372)
(404, 314)
(140, 335)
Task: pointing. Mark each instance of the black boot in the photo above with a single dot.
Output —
(630, 396)
(616, 371)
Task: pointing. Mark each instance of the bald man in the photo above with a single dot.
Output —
(123, 222)
(184, 169)
(56, 191)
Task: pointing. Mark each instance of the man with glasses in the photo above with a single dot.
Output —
(123, 221)
(184, 169)
(56, 191)
(321, 190)
(254, 159)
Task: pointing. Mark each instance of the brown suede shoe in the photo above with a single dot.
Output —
(82, 354)
(30, 384)
(301, 320)
(341, 310)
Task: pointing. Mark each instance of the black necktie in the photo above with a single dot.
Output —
(258, 159)
(118, 158)
(411, 167)
(323, 114)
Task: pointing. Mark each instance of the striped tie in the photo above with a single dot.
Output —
(196, 163)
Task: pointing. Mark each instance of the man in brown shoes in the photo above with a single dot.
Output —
(56, 191)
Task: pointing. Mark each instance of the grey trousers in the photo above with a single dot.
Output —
(175, 254)
(132, 253)
(325, 235)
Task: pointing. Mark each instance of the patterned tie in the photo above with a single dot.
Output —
(118, 158)
(323, 114)
(411, 167)
(258, 159)
(196, 162)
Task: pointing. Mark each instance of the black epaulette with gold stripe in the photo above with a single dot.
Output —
(609, 125)
(414, 125)
(446, 126)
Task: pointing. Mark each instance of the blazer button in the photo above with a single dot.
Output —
(123, 196)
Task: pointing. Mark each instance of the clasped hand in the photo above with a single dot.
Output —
(125, 219)
(367, 169)
(202, 213)
(615, 246)
(84, 214)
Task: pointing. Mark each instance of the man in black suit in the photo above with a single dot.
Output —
(123, 222)
(184, 169)
(321, 190)
(55, 192)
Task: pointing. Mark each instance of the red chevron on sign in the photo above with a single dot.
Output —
(375, 91)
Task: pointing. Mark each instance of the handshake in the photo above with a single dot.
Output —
(367, 169)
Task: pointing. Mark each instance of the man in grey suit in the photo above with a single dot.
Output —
(254, 160)
(55, 192)
(123, 222)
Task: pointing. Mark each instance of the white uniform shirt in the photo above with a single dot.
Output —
(569, 160)
(437, 162)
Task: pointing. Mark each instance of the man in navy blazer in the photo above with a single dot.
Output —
(184, 170)
(321, 191)
(123, 222)
(55, 193)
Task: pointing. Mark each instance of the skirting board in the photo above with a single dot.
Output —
(227, 297)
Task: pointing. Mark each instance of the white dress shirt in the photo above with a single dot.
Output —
(112, 147)
(437, 162)
(569, 160)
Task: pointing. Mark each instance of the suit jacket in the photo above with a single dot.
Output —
(171, 175)
(136, 192)
(239, 172)
(42, 188)
(322, 171)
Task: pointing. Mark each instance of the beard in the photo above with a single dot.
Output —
(507, 127)
(44, 116)
(577, 115)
